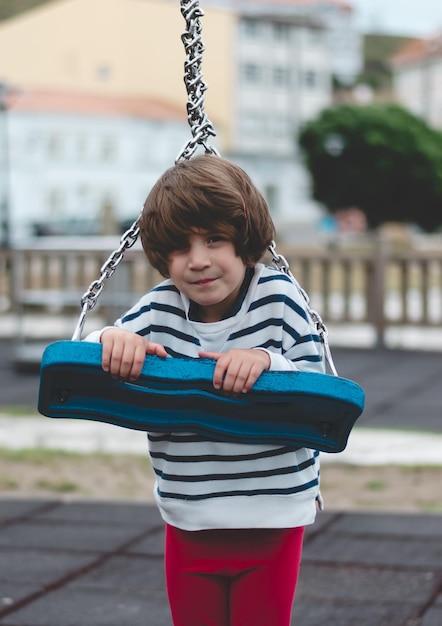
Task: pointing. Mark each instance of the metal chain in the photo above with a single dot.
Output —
(90, 297)
(201, 129)
(200, 125)
(281, 263)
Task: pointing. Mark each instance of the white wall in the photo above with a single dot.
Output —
(283, 79)
(68, 166)
(418, 87)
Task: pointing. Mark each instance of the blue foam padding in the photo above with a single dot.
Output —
(302, 409)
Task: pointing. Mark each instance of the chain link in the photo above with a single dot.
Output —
(90, 297)
(280, 263)
(200, 125)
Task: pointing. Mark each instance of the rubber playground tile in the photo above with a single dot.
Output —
(67, 536)
(12, 593)
(34, 567)
(361, 584)
(136, 574)
(151, 546)
(319, 613)
(393, 524)
(433, 617)
(76, 607)
(105, 512)
(14, 509)
(376, 551)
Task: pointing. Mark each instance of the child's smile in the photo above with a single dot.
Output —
(205, 281)
(209, 272)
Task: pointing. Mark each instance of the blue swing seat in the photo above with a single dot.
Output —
(302, 409)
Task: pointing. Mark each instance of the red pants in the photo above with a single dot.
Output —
(232, 577)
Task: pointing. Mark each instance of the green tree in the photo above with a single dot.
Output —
(379, 158)
(11, 8)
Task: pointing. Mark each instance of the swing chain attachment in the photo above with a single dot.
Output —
(200, 125)
(280, 263)
(90, 297)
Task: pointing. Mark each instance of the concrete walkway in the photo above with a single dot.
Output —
(366, 446)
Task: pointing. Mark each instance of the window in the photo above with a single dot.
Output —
(56, 201)
(83, 196)
(281, 76)
(315, 36)
(250, 28)
(55, 146)
(252, 124)
(108, 149)
(252, 73)
(103, 72)
(271, 195)
(32, 144)
(281, 31)
(311, 79)
(81, 147)
(281, 127)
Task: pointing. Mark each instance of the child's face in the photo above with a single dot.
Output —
(209, 272)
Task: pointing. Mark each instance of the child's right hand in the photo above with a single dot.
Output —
(124, 353)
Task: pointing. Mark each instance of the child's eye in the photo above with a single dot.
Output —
(215, 238)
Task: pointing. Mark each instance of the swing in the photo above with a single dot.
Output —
(296, 408)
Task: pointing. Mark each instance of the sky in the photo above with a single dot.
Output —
(420, 18)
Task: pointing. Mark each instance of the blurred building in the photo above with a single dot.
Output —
(82, 164)
(344, 41)
(267, 72)
(417, 78)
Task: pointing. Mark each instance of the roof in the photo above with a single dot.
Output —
(61, 101)
(417, 50)
(309, 21)
(345, 6)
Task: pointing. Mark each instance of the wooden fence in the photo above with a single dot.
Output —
(364, 282)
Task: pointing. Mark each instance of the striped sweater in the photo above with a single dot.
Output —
(204, 484)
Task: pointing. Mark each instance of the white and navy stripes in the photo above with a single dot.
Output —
(200, 483)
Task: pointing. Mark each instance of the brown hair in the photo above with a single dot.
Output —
(209, 193)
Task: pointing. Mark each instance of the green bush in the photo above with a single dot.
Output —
(379, 158)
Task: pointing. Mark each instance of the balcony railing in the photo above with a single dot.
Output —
(365, 282)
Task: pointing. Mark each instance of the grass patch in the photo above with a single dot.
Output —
(37, 456)
(107, 476)
(431, 507)
(8, 484)
(18, 411)
(62, 486)
(387, 488)
(375, 485)
(34, 472)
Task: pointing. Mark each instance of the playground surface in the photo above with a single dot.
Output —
(101, 564)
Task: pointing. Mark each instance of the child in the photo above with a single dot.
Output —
(235, 513)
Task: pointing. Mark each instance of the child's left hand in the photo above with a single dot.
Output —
(237, 370)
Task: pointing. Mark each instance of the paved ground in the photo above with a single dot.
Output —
(92, 564)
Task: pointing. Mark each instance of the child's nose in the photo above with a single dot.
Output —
(198, 257)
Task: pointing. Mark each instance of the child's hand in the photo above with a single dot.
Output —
(236, 371)
(124, 352)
